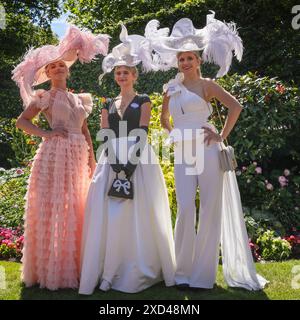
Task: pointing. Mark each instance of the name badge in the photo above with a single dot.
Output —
(134, 105)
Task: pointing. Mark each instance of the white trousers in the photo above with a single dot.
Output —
(197, 254)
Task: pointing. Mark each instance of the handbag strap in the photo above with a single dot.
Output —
(220, 119)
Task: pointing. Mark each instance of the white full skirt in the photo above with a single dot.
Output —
(127, 243)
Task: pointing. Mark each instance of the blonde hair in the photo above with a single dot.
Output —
(133, 70)
(197, 55)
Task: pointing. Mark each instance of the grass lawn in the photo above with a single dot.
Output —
(278, 273)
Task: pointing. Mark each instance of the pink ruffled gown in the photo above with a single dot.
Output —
(56, 195)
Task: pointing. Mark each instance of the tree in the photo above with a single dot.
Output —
(96, 13)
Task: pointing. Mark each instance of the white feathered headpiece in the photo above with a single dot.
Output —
(217, 41)
(132, 50)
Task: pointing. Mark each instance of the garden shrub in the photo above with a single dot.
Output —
(13, 184)
(273, 248)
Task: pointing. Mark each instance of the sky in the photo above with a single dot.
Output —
(60, 25)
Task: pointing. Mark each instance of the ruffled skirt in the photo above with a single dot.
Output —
(54, 211)
(127, 244)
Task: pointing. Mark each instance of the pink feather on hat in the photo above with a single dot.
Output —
(76, 44)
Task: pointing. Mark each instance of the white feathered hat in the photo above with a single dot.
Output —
(217, 40)
(132, 50)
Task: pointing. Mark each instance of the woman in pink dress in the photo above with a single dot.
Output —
(63, 164)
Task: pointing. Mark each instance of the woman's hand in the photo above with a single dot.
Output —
(211, 135)
(58, 132)
(92, 165)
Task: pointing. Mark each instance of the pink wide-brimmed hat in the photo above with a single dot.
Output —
(76, 44)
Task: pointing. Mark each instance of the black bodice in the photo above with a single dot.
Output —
(131, 115)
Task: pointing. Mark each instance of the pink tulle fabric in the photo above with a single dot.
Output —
(55, 201)
(76, 44)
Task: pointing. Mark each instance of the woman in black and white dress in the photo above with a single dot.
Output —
(127, 243)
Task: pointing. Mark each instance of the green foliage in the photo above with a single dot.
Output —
(21, 147)
(276, 205)
(13, 184)
(39, 12)
(268, 125)
(273, 248)
(109, 12)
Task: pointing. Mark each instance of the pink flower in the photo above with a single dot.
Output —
(280, 88)
(258, 170)
(283, 181)
(269, 186)
(254, 163)
(286, 172)
(19, 171)
(6, 241)
(21, 239)
(244, 168)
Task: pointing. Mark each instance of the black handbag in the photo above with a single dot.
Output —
(121, 188)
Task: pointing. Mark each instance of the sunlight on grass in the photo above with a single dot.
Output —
(278, 273)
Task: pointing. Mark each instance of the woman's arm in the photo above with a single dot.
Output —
(104, 124)
(165, 114)
(213, 90)
(24, 123)
(145, 114)
(86, 132)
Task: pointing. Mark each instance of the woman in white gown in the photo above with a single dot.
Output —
(187, 99)
(127, 243)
